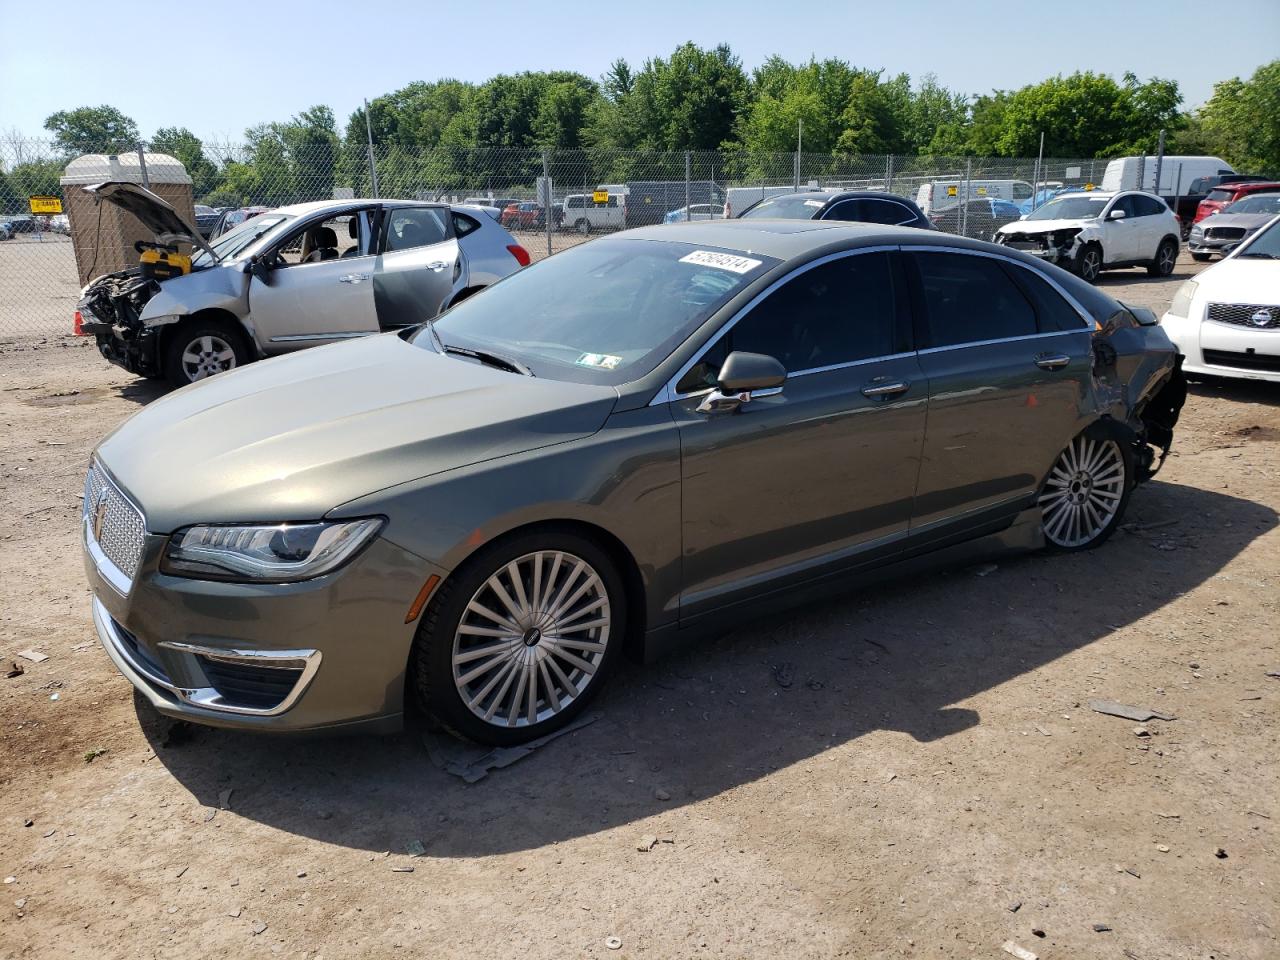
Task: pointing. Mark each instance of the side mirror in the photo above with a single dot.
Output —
(1115, 215)
(259, 267)
(742, 376)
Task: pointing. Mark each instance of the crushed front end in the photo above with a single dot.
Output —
(110, 311)
(1060, 246)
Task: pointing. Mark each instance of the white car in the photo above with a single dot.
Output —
(1226, 321)
(1087, 233)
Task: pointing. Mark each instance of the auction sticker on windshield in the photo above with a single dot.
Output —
(606, 361)
(721, 261)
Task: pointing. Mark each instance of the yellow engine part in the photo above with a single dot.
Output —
(162, 264)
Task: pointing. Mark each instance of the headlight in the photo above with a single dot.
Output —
(1181, 306)
(276, 553)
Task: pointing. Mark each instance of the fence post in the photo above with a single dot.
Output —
(547, 215)
(142, 166)
(688, 214)
(964, 206)
(1159, 162)
(888, 174)
(373, 164)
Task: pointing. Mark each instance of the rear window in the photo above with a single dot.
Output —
(789, 206)
(1220, 194)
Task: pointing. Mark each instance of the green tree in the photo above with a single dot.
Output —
(816, 93)
(1242, 119)
(101, 129)
(181, 143)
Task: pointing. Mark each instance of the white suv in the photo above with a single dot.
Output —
(583, 214)
(1091, 232)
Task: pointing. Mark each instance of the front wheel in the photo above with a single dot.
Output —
(1166, 259)
(1089, 263)
(520, 637)
(202, 348)
(1085, 495)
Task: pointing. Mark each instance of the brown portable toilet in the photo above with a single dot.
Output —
(102, 234)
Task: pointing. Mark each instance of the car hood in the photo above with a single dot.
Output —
(156, 215)
(1250, 221)
(1044, 226)
(1240, 281)
(292, 438)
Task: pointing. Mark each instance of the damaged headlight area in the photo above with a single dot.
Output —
(1053, 245)
(110, 311)
(266, 553)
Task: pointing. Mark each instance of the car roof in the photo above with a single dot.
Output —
(787, 239)
(1255, 186)
(315, 206)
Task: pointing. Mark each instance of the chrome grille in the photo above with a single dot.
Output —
(112, 522)
(1252, 315)
(1224, 233)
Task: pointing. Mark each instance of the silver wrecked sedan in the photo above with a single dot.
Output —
(634, 442)
(287, 278)
(1230, 227)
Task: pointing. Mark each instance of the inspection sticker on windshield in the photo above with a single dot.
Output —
(605, 361)
(721, 261)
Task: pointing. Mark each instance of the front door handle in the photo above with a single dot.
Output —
(1052, 361)
(437, 266)
(353, 278)
(883, 387)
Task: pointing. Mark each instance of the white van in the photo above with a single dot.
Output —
(937, 196)
(1176, 173)
(582, 214)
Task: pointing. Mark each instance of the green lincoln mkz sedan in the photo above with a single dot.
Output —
(633, 442)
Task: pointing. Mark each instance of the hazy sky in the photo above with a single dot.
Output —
(220, 67)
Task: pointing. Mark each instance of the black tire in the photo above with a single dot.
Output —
(432, 677)
(582, 226)
(1089, 262)
(1059, 534)
(1166, 258)
(1201, 257)
(193, 337)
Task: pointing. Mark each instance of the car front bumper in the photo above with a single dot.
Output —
(1224, 350)
(327, 654)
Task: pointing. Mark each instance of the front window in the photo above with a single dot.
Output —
(605, 312)
(230, 245)
(787, 206)
(1258, 203)
(1070, 208)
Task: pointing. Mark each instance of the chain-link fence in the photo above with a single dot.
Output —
(548, 199)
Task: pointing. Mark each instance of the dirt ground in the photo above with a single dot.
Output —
(931, 783)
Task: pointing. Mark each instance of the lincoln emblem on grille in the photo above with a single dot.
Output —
(1261, 318)
(100, 514)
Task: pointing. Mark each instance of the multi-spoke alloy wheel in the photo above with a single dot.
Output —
(206, 356)
(520, 637)
(1085, 493)
(531, 638)
(201, 348)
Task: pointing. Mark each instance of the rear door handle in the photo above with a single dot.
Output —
(353, 278)
(1052, 361)
(883, 387)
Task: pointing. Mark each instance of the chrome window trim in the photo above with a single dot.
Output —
(987, 343)
(668, 393)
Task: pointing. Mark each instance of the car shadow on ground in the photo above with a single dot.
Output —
(1237, 390)
(900, 657)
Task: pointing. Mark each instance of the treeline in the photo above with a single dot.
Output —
(449, 133)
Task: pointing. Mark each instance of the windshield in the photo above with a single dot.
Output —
(1265, 244)
(1070, 208)
(231, 244)
(788, 206)
(605, 312)
(1258, 203)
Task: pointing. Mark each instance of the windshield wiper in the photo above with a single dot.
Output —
(484, 356)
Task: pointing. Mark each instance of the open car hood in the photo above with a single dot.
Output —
(156, 215)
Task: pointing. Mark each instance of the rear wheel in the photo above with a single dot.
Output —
(1200, 257)
(201, 348)
(520, 638)
(582, 226)
(1089, 263)
(1166, 258)
(1085, 495)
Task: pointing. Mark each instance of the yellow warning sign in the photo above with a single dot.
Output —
(1088, 186)
(46, 205)
(951, 191)
(600, 196)
(982, 191)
